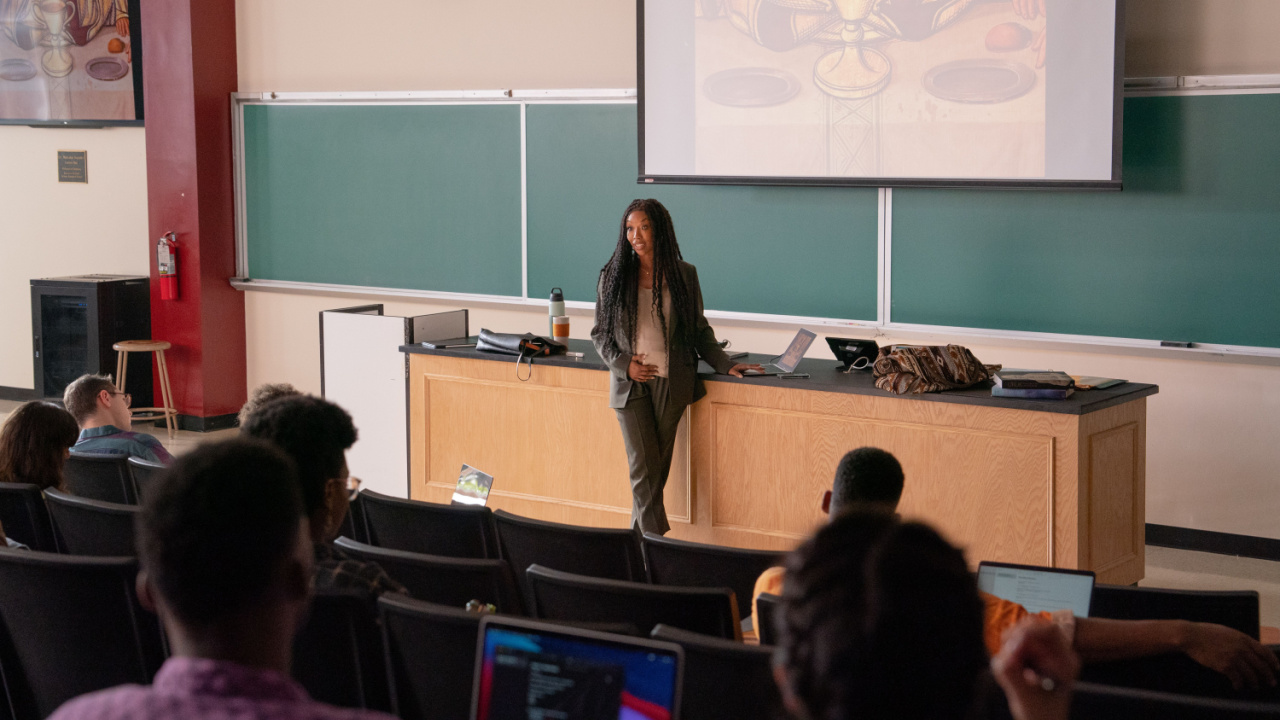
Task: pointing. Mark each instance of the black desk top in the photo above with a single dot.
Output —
(826, 376)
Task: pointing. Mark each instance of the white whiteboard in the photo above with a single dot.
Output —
(363, 371)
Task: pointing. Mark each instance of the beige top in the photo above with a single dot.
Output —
(649, 339)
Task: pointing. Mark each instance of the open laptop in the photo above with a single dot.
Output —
(527, 669)
(788, 360)
(1038, 589)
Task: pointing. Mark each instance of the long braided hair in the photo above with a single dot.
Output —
(620, 280)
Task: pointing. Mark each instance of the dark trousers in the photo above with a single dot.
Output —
(649, 422)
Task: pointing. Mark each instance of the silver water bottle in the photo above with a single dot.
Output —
(554, 309)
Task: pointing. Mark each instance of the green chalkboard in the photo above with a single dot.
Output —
(424, 197)
(1189, 251)
(808, 252)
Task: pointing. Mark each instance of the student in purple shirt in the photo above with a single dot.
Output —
(106, 425)
(225, 557)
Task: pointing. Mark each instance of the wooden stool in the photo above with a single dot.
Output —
(123, 348)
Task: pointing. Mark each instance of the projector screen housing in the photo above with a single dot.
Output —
(881, 93)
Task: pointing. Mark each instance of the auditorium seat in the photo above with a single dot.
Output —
(447, 581)
(24, 517)
(562, 596)
(599, 552)
(74, 626)
(100, 477)
(461, 531)
(91, 527)
(353, 525)
(431, 657)
(145, 473)
(338, 653)
(767, 622)
(723, 678)
(1099, 702)
(677, 562)
(1174, 672)
(1235, 608)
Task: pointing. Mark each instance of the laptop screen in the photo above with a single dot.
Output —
(788, 361)
(535, 670)
(1038, 589)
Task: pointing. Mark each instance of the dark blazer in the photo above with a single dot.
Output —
(682, 362)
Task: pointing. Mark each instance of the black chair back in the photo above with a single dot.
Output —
(1235, 608)
(723, 678)
(676, 562)
(598, 552)
(71, 625)
(91, 527)
(562, 596)
(338, 654)
(145, 474)
(353, 524)
(431, 657)
(766, 619)
(100, 477)
(460, 531)
(24, 516)
(1099, 702)
(1174, 672)
(448, 581)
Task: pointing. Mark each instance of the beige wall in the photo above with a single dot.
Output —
(1201, 37)
(49, 228)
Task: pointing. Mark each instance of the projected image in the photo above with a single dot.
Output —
(871, 88)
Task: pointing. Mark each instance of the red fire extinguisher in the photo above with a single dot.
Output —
(167, 260)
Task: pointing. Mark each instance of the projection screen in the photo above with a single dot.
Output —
(887, 93)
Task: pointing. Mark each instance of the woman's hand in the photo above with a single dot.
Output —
(738, 369)
(640, 372)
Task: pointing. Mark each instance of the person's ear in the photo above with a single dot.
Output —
(104, 398)
(146, 591)
(826, 502)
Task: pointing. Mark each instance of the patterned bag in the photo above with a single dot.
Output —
(912, 369)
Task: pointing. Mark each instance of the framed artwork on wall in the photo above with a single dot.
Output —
(70, 62)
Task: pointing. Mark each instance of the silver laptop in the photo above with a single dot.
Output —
(787, 361)
(527, 669)
(1038, 589)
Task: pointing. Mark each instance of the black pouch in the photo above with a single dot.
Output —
(523, 346)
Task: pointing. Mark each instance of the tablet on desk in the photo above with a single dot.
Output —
(1038, 589)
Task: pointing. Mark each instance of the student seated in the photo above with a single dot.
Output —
(262, 395)
(315, 434)
(870, 478)
(881, 619)
(225, 561)
(34, 443)
(106, 425)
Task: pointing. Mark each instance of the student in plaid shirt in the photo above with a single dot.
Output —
(315, 433)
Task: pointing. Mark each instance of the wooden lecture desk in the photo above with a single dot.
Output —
(1037, 482)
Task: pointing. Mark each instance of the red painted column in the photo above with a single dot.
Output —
(190, 70)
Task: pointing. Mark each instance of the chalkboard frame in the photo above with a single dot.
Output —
(883, 325)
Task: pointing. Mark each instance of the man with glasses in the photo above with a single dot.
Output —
(315, 434)
(106, 425)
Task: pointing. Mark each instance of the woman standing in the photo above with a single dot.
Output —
(650, 331)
